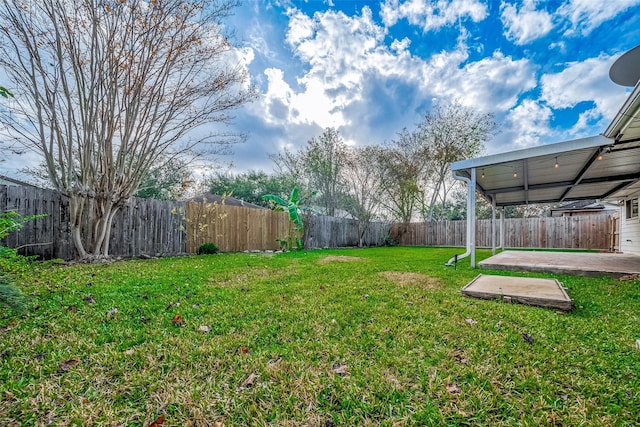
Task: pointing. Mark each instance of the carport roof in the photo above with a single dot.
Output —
(599, 167)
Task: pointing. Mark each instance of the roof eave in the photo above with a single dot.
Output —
(528, 153)
(630, 110)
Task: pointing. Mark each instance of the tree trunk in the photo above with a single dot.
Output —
(76, 208)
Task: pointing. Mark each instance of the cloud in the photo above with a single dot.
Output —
(586, 15)
(491, 83)
(355, 78)
(529, 123)
(582, 82)
(526, 24)
(432, 15)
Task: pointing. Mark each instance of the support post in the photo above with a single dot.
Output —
(493, 225)
(502, 229)
(471, 218)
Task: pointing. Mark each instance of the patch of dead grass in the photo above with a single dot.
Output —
(339, 258)
(411, 279)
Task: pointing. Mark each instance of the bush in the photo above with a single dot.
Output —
(208, 249)
(10, 296)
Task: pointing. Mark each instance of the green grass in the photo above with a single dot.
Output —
(409, 355)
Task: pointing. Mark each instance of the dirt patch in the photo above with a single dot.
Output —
(339, 258)
(410, 279)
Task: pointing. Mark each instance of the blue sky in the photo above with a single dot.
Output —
(370, 68)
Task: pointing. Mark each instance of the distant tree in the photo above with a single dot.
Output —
(317, 167)
(251, 186)
(363, 186)
(450, 133)
(105, 89)
(168, 181)
(401, 165)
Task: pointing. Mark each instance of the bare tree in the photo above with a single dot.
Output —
(363, 184)
(318, 167)
(451, 133)
(401, 165)
(106, 88)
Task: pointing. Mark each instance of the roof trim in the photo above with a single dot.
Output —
(527, 153)
(630, 110)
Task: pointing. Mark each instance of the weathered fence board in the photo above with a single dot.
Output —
(330, 232)
(577, 232)
(151, 227)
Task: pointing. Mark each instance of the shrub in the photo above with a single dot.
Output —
(10, 296)
(208, 249)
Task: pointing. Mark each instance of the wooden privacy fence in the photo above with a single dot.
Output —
(331, 232)
(234, 229)
(151, 227)
(154, 227)
(576, 232)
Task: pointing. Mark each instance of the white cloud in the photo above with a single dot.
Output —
(354, 81)
(526, 24)
(587, 15)
(400, 45)
(584, 81)
(432, 15)
(491, 83)
(529, 123)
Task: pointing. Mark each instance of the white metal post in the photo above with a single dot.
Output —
(493, 225)
(502, 229)
(471, 217)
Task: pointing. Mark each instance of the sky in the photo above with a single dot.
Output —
(371, 68)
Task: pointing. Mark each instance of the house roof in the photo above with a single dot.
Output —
(226, 200)
(585, 205)
(605, 166)
(7, 180)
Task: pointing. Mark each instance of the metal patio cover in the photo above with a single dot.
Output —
(601, 167)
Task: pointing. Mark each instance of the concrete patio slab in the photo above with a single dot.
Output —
(525, 290)
(571, 263)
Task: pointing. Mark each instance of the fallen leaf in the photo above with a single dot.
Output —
(8, 395)
(453, 388)
(158, 422)
(528, 338)
(470, 321)
(90, 299)
(178, 320)
(68, 364)
(72, 308)
(243, 350)
(204, 329)
(460, 357)
(340, 368)
(322, 288)
(249, 381)
(84, 401)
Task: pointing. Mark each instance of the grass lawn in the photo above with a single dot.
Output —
(312, 338)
